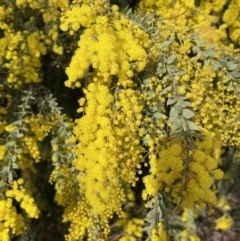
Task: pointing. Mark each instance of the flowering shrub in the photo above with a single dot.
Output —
(147, 138)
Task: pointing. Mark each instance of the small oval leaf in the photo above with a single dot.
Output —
(188, 114)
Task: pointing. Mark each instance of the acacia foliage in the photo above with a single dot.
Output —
(150, 120)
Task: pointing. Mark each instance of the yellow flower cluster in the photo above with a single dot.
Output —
(38, 4)
(184, 13)
(52, 39)
(52, 12)
(165, 171)
(31, 147)
(2, 151)
(5, 15)
(23, 67)
(112, 47)
(108, 146)
(159, 233)
(77, 16)
(231, 18)
(10, 128)
(212, 93)
(22, 48)
(82, 14)
(10, 220)
(124, 115)
(62, 176)
(189, 232)
(41, 125)
(133, 228)
(127, 121)
(83, 222)
(96, 156)
(20, 195)
(64, 186)
(187, 174)
(23, 45)
(224, 223)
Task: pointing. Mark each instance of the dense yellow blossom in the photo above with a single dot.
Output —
(52, 13)
(96, 154)
(31, 147)
(81, 220)
(184, 13)
(77, 16)
(112, 49)
(187, 174)
(10, 220)
(41, 125)
(158, 104)
(159, 234)
(23, 67)
(133, 228)
(26, 202)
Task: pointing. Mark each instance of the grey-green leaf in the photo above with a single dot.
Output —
(19, 135)
(198, 56)
(192, 126)
(171, 58)
(15, 166)
(176, 125)
(145, 140)
(173, 114)
(10, 177)
(171, 100)
(146, 82)
(180, 72)
(207, 62)
(151, 215)
(172, 68)
(231, 66)
(150, 93)
(166, 90)
(183, 103)
(215, 66)
(3, 172)
(188, 114)
(166, 43)
(157, 115)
